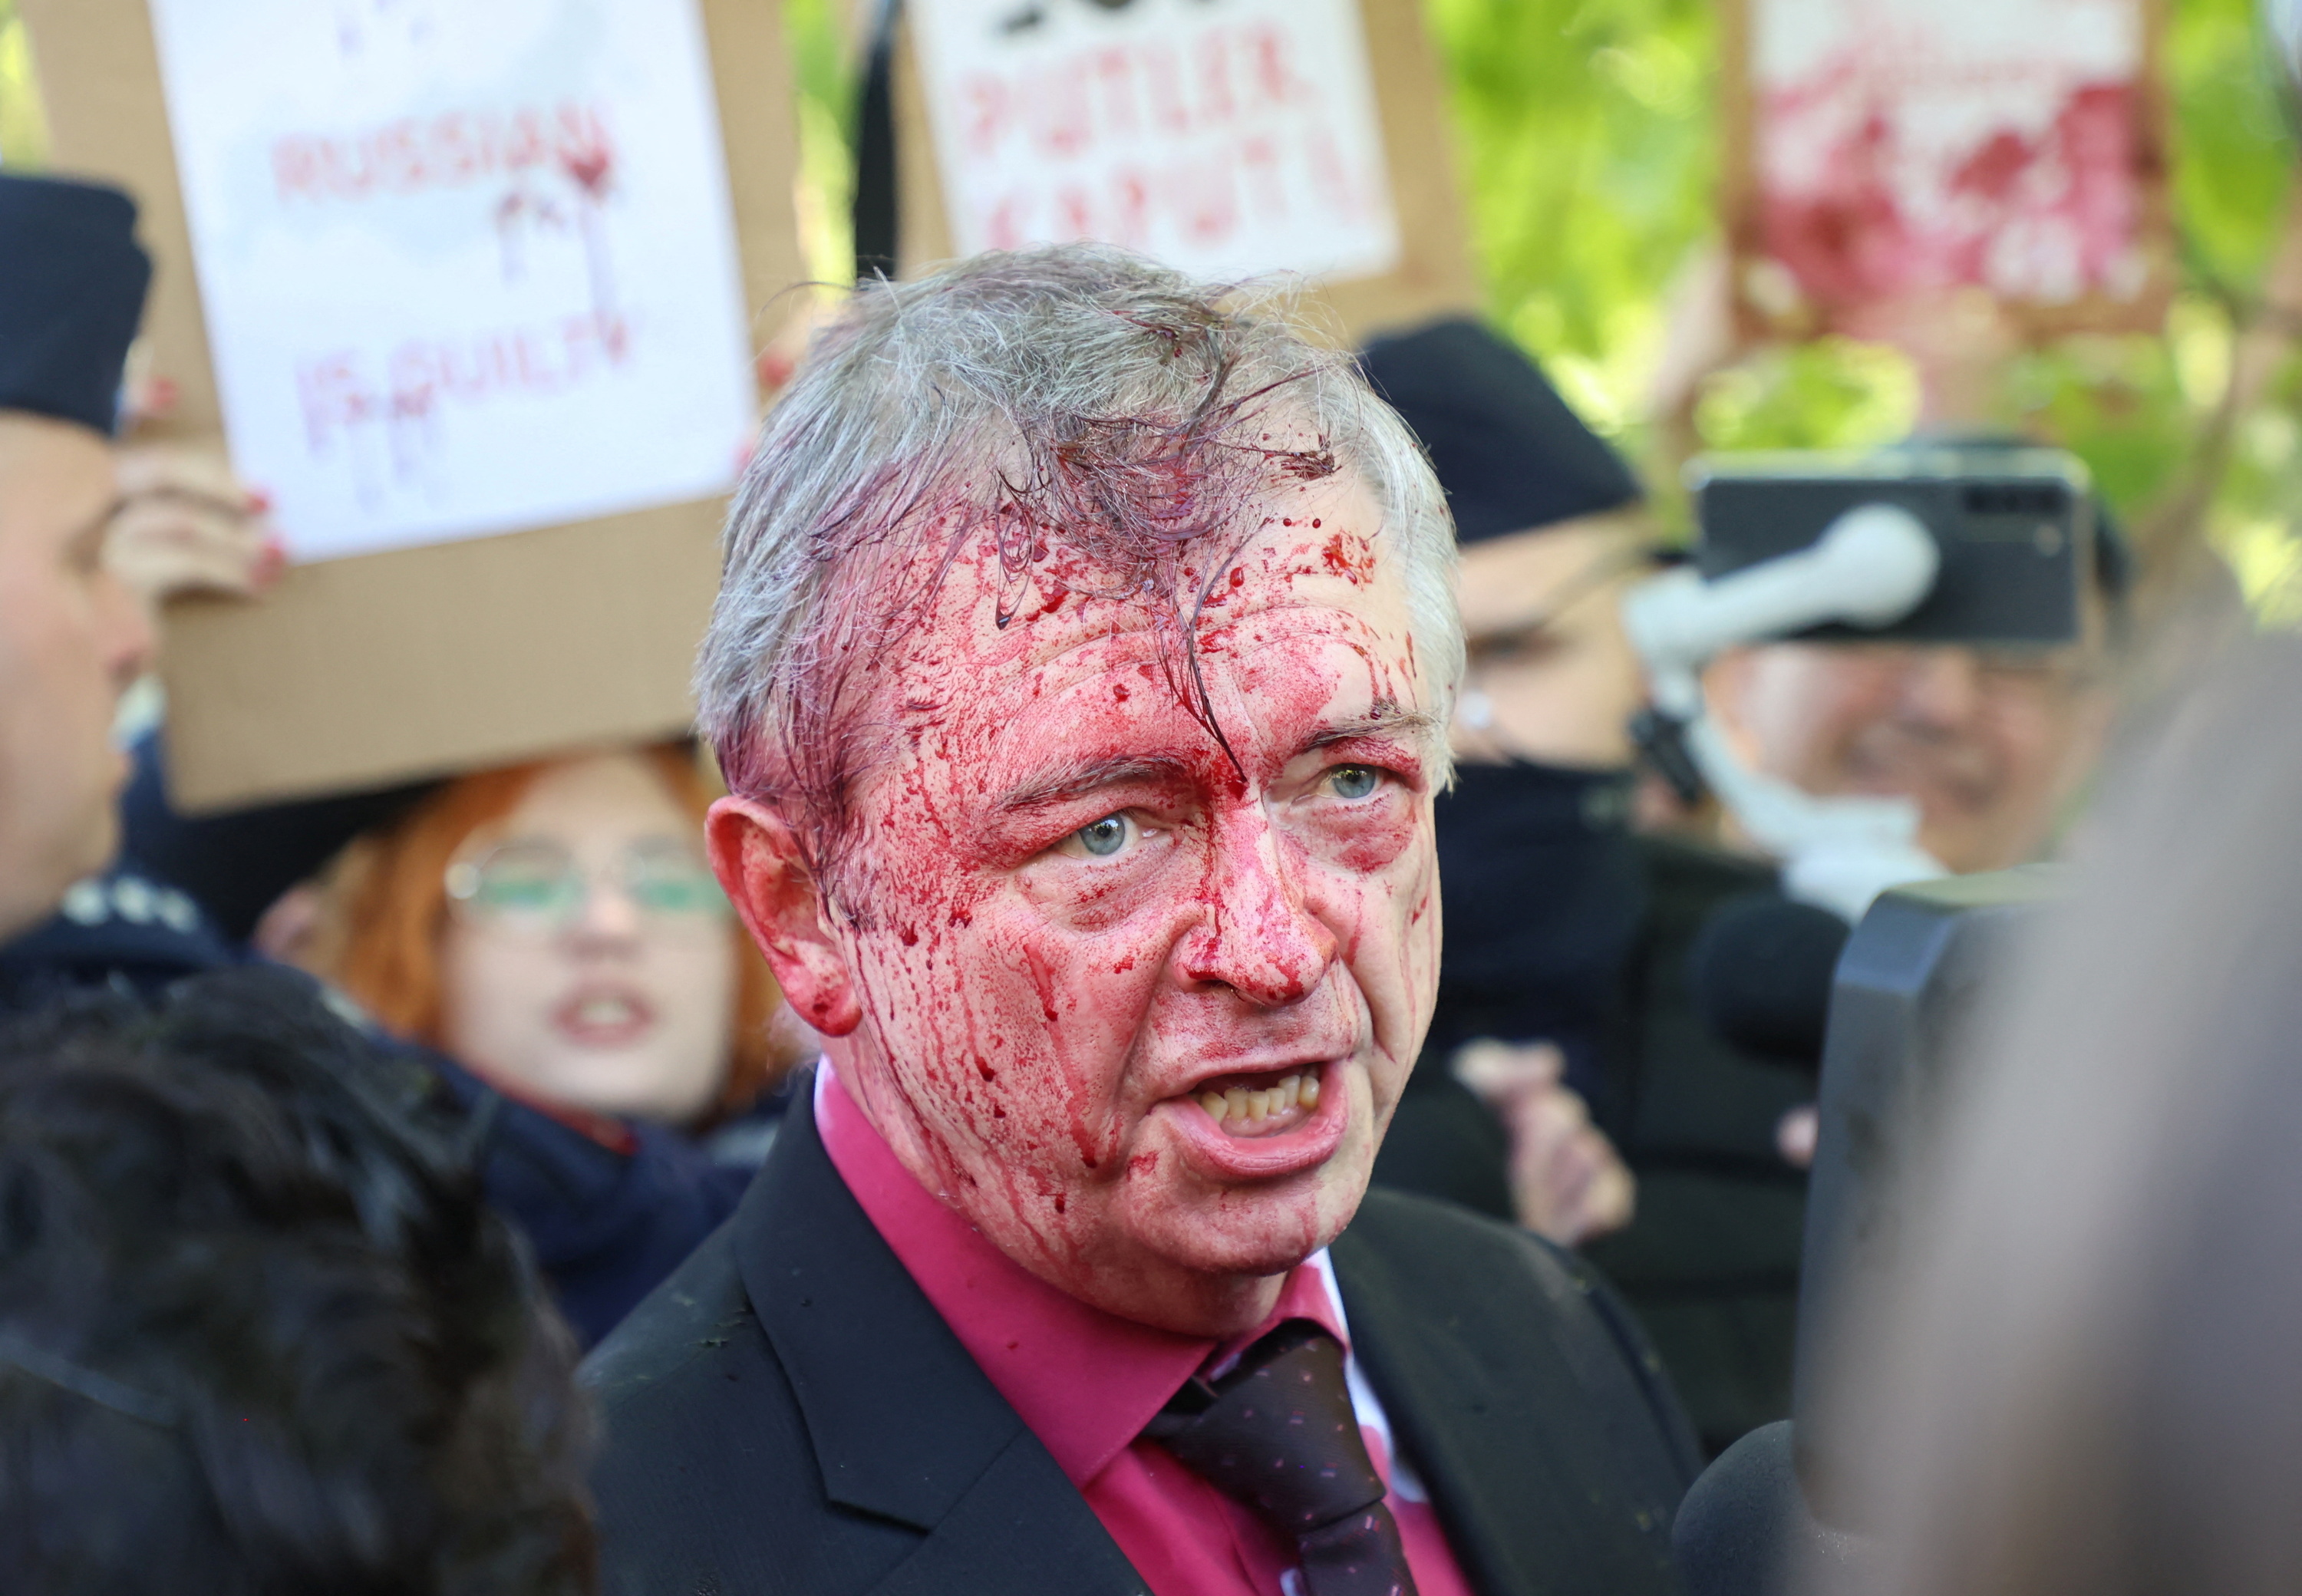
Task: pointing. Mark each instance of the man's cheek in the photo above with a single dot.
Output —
(1391, 925)
(1372, 842)
(1115, 903)
(1062, 1011)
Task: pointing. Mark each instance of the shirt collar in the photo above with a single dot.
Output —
(1085, 1382)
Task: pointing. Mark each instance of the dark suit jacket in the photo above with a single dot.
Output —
(788, 1414)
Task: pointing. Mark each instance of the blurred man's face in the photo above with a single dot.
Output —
(1553, 678)
(71, 640)
(1139, 1013)
(1989, 745)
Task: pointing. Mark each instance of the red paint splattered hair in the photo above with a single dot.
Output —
(1083, 408)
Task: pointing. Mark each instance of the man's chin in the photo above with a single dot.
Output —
(1258, 1231)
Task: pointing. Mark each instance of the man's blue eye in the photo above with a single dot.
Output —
(1355, 781)
(1103, 837)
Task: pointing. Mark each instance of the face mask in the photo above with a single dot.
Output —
(1543, 894)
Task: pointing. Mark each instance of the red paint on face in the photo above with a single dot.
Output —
(1037, 1051)
(1348, 556)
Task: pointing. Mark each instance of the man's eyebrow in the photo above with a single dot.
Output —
(1122, 770)
(1406, 725)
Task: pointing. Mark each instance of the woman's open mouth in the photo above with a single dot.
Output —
(604, 1015)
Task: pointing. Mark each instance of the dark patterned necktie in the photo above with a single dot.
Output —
(1277, 1432)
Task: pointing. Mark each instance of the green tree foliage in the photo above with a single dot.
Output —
(822, 67)
(1587, 131)
(1586, 144)
(23, 133)
(1587, 134)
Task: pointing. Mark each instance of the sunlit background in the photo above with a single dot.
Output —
(1587, 143)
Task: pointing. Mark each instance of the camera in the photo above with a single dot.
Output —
(2014, 526)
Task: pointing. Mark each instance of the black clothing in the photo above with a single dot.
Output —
(1546, 896)
(71, 293)
(125, 927)
(237, 862)
(789, 1414)
(1444, 1143)
(1544, 892)
(1509, 453)
(1711, 1263)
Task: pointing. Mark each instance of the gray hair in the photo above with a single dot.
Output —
(1077, 394)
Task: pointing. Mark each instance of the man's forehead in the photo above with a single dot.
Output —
(1103, 705)
(1311, 545)
(1023, 677)
(1269, 620)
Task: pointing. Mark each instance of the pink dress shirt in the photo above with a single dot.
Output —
(1085, 1383)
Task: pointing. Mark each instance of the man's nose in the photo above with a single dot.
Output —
(1942, 687)
(1257, 937)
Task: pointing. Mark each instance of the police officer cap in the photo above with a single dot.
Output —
(71, 292)
(1507, 448)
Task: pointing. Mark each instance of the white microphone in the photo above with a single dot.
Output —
(1871, 568)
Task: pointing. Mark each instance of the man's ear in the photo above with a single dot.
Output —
(756, 853)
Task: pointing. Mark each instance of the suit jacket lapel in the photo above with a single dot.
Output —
(1499, 1419)
(904, 1425)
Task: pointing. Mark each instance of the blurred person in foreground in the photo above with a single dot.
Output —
(1080, 673)
(608, 1222)
(258, 1333)
(554, 927)
(2084, 1379)
(1565, 975)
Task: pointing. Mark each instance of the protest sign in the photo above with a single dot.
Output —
(1882, 152)
(465, 269)
(1229, 139)
(471, 291)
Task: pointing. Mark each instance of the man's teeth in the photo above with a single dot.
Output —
(603, 1010)
(1240, 1106)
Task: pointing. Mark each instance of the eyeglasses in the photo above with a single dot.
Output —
(537, 886)
(2051, 672)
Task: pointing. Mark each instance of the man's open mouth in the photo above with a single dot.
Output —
(1261, 1105)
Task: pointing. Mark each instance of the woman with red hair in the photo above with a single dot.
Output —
(553, 927)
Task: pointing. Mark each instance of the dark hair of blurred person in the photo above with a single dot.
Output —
(72, 638)
(258, 1332)
(2085, 1380)
(476, 923)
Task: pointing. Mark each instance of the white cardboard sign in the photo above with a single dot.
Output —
(1915, 145)
(467, 268)
(1226, 138)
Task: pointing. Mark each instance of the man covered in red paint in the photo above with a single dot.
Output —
(1083, 656)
